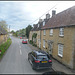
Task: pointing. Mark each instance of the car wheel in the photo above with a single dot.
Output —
(31, 64)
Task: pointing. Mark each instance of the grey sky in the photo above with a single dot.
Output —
(19, 14)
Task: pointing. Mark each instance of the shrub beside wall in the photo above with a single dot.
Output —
(4, 47)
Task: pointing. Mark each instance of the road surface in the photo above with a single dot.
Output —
(15, 60)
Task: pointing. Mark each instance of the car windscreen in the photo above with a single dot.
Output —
(24, 40)
(42, 57)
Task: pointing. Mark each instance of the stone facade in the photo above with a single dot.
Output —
(67, 40)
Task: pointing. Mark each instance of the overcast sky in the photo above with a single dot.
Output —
(19, 14)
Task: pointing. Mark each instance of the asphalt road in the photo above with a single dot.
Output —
(15, 60)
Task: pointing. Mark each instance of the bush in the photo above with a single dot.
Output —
(34, 45)
(31, 42)
(4, 47)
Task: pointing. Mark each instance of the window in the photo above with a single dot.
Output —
(38, 25)
(42, 57)
(43, 23)
(61, 32)
(51, 31)
(44, 43)
(60, 50)
(34, 54)
(44, 32)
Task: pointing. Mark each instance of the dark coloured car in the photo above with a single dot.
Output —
(39, 60)
(24, 41)
(54, 72)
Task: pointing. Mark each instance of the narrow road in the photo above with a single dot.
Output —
(15, 61)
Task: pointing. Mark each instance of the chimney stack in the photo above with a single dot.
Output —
(53, 12)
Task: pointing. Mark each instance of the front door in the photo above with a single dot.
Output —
(39, 43)
(50, 46)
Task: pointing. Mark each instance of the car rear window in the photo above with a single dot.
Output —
(42, 57)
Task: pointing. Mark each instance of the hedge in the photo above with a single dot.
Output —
(4, 47)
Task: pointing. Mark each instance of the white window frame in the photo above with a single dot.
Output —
(44, 43)
(44, 32)
(38, 25)
(43, 23)
(60, 50)
(51, 31)
(61, 33)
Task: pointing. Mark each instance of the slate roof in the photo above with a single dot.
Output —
(36, 28)
(62, 19)
(2, 31)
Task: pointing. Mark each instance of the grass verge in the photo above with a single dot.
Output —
(4, 47)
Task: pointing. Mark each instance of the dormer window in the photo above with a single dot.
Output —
(43, 23)
(38, 25)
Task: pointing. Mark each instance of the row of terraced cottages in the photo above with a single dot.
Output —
(56, 35)
(3, 35)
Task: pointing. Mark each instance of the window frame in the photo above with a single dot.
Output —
(60, 48)
(51, 31)
(44, 32)
(61, 32)
(43, 23)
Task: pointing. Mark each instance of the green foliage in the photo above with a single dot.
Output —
(3, 25)
(28, 30)
(15, 34)
(12, 31)
(34, 45)
(4, 47)
(21, 32)
(34, 36)
(31, 42)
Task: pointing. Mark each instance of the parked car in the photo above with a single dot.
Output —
(20, 37)
(24, 41)
(39, 60)
(54, 72)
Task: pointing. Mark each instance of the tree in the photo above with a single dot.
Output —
(28, 28)
(3, 25)
(22, 32)
(12, 31)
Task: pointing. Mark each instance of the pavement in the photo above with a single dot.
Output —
(56, 65)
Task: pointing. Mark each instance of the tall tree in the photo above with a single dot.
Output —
(28, 28)
(3, 25)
